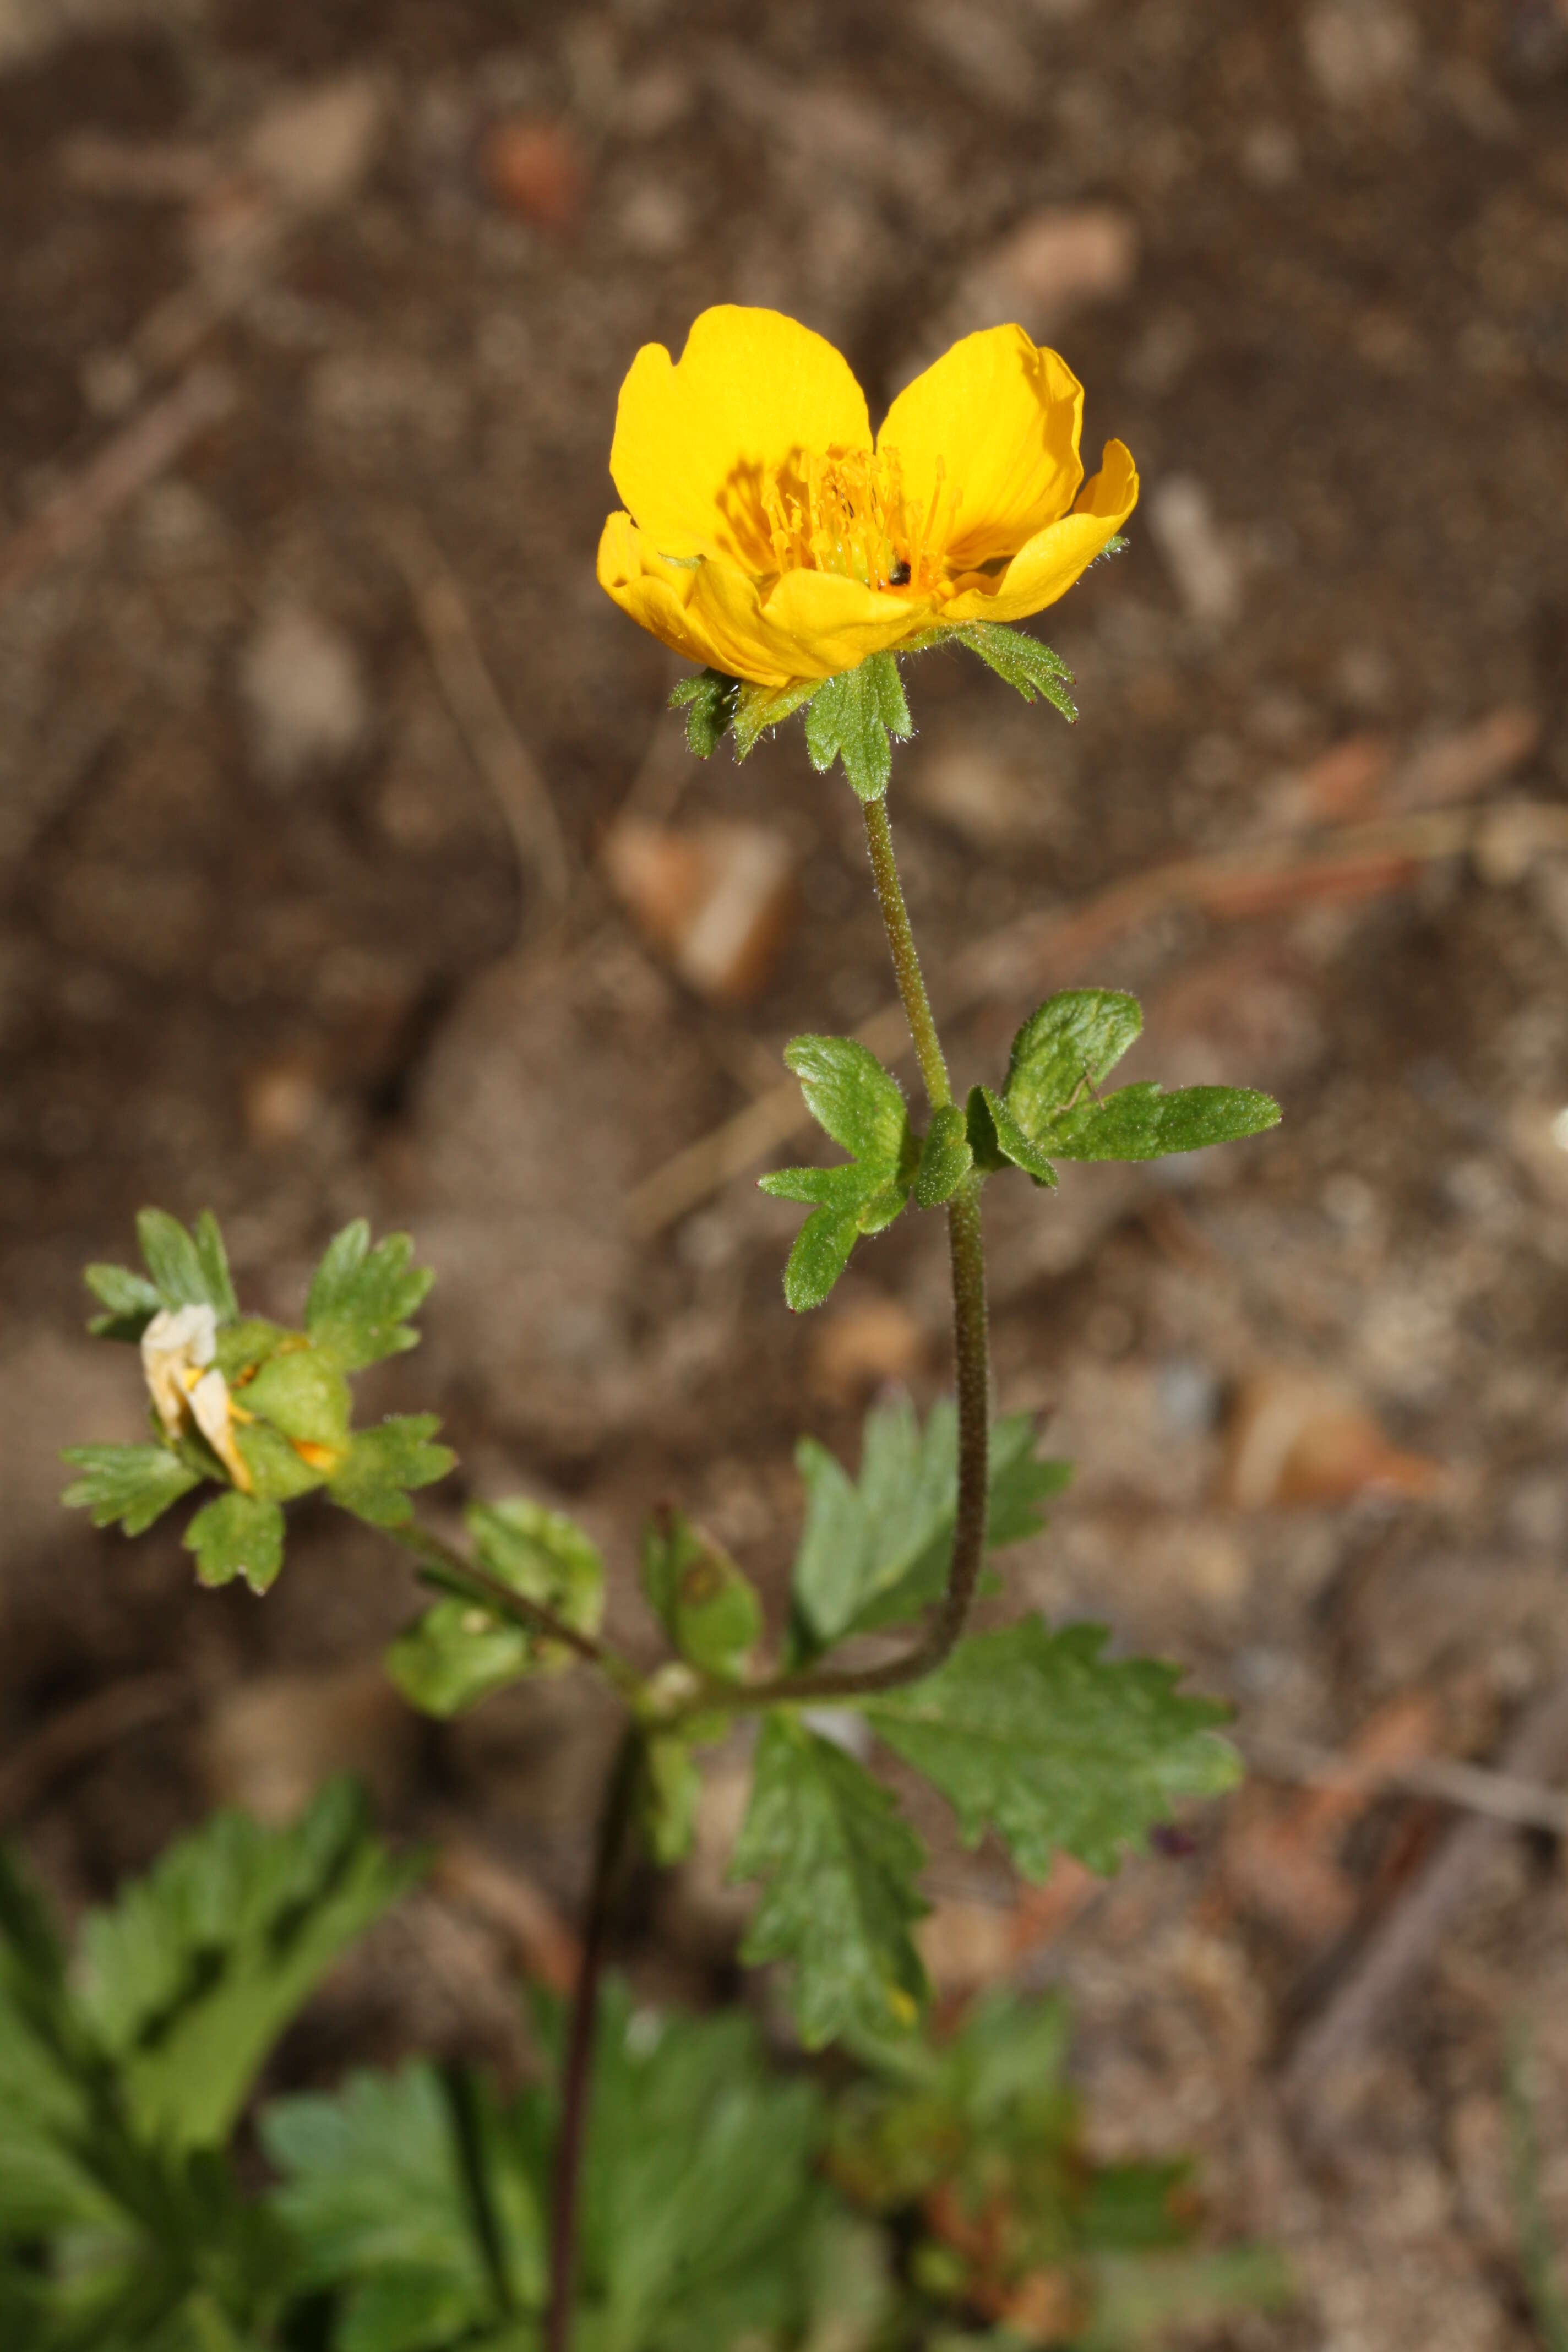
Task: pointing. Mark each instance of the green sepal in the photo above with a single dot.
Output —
(1062, 1055)
(455, 1654)
(997, 1137)
(544, 1556)
(708, 701)
(187, 1270)
(360, 1297)
(382, 1466)
(130, 1300)
(237, 1534)
(839, 1865)
(851, 718)
(760, 708)
(856, 1101)
(242, 1348)
(946, 1157)
(708, 1608)
(1041, 1737)
(1031, 668)
(277, 1471)
(129, 1485)
(304, 1395)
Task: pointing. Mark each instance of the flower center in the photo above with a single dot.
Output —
(850, 515)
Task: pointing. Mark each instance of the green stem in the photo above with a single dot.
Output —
(444, 1567)
(971, 1351)
(906, 960)
(615, 1823)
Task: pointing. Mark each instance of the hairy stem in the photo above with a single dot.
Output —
(906, 960)
(614, 1822)
(444, 1567)
(971, 1351)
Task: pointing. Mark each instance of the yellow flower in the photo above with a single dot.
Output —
(770, 537)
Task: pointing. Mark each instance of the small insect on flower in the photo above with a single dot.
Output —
(768, 536)
(177, 1351)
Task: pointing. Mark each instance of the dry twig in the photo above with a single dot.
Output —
(1397, 1951)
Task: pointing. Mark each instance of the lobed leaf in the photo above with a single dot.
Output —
(237, 1534)
(382, 1464)
(996, 1138)
(851, 718)
(360, 1297)
(131, 1301)
(1042, 1739)
(130, 1485)
(875, 1551)
(1062, 1055)
(186, 1270)
(456, 1654)
(1031, 668)
(855, 1100)
(839, 1866)
(543, 1556)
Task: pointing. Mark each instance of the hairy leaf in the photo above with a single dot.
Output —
(858, 1104)
(130, 1485)
(708, 701)
(382, 1464)
(1061, 1056)
(542, 1555)
(1028, 666)
(237, 1534)
(360, 1298)
(759, 708)
(456, 1654)
(839, 1866)
(186, 1271)
(852, 715)
(946, 1157)
(996, 1137)
(1041, 1737)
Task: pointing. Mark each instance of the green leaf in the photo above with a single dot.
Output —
(855, 1100)
(709, 1609)
(542, 1555)
(412, 2195)
(1138, 2299)
(1032, 668)
(456, 1654)
(277, 1472)
(190, 1979)
(383, 1464)
(708, 701)
(360, 1298)
(946, 1158)
(302, 1392)
(875, 1551)
(133, 1485)
(186, 1272)
(700, 2204)
(839, 1866)
(851, 717)
(1061, 1056)
(996, 1137)
(130, 1297)
(237, 1534)
(1041, 1737)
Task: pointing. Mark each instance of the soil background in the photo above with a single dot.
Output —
(281, 939)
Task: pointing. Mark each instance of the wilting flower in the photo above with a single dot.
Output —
(186, 1386)
(770, 537)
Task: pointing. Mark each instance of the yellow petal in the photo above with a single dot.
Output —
(696, 441)
(1046, 566)
(804, 624)
(1003, 418)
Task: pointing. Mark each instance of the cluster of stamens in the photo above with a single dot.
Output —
(850, 515)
